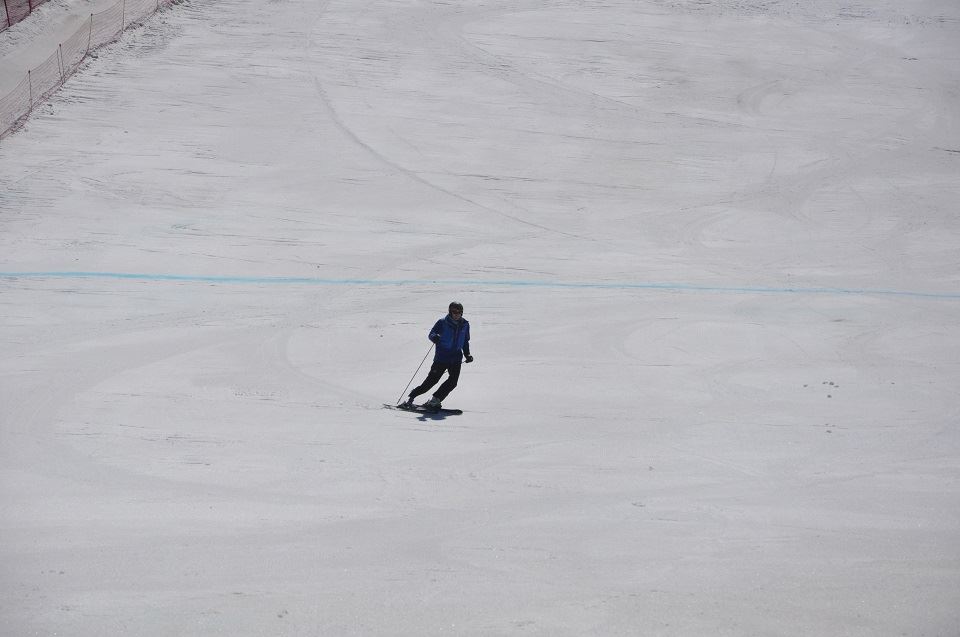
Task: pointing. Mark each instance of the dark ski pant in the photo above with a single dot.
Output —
(436, 371)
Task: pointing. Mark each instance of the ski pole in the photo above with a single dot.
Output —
(415, 373)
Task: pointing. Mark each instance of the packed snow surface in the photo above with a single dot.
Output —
(709, 251)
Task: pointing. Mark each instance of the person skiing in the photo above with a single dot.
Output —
(451, 335)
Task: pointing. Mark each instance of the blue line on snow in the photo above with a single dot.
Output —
(683, 287)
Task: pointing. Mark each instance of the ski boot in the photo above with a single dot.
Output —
(432, 405)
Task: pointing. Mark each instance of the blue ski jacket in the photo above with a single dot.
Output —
(452, 340)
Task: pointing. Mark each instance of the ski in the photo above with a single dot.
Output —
(420, 409)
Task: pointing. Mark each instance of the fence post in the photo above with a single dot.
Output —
(123, 14)
(6, 11)
(60, 61)
(30, 84)
(89, 36)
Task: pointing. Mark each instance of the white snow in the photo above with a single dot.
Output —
(710, 254)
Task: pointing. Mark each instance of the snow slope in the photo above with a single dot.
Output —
(709, 252)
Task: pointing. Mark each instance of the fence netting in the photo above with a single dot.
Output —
(16, 10)
(43, 80)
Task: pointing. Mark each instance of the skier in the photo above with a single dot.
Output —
(451, 335)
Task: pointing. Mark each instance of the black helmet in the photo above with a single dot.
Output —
(456, 306)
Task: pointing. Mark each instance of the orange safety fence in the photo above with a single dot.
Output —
(42, 81)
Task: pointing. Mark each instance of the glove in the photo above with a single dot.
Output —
(469, 358)
(435, 338)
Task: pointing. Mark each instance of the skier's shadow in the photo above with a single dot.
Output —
(425, 417)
